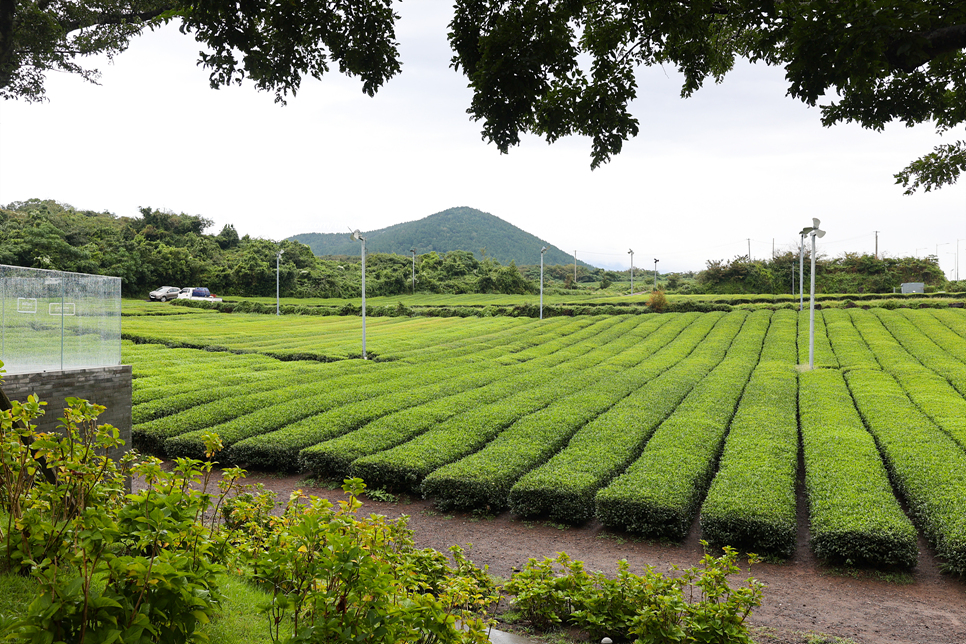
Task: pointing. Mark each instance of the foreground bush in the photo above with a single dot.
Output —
(145, 567)
(697, 605)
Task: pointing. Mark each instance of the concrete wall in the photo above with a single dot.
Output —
(108, 386)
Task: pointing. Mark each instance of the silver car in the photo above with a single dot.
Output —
(165, 293)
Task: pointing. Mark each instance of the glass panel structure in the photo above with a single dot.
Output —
(52, 320)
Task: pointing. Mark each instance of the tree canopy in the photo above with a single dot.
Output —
(273, 44)
(550, 67)
(568, 67)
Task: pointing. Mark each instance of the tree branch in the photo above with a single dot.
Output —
(114, 19)
(935, 43)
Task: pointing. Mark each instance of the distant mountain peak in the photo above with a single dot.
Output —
(460, 228)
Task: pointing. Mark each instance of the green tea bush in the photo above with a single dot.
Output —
(855, 518)
(659, 494)
(751, 503)
(696, 605)
(565, 486)
(927, 467)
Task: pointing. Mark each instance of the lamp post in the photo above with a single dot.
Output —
(655, 273)
(413, 251)
(278, 259)
(957, 259)
(358, 237)
(938, 263)
(813, 232)
(801, 268)
(631, 253)
(542, 251)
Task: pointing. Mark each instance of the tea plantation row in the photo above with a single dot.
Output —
(644, 422)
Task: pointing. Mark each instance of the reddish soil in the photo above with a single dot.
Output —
(802, 595)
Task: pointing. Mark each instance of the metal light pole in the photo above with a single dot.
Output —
(575, 269)
(655, 273)
(801, 268)
(938, 263)
(413, 251)
(815, 232)
(358, 237)
(957, 259)
(542, 251)
(631, 253)
(278, 259)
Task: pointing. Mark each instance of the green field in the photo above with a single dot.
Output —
(646, 422)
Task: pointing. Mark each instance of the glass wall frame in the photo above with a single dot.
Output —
(54, 320)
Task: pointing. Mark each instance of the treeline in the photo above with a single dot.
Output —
(850, 273)
(163, 248)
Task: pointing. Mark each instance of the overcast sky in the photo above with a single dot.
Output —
(738, 161)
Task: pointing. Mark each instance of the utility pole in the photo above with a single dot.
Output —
(749, 249)
(575, 269)
(877, 244)
(631, 253)
(413, 251)
(655, 273)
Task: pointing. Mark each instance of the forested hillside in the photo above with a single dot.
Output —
(466, 229)
(162, 248)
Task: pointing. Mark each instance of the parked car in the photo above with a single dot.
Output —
(165, 293)
(198, 293)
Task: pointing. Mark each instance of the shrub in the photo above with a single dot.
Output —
(657, 301)
(697, 605)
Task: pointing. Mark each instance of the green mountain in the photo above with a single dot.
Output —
(453, 229)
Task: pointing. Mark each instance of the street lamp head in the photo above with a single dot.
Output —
(543, 250)
(630, 252)
(816, 222)
(805, 231)
(656, 260)
(357, 236)
(819, 233)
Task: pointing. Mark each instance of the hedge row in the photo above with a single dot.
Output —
(291, 385)
(321, 409)
(926, 466)
(751, 502)
(279, 449)
(405, 466)
(855, 518)
(530, 310)
(923, 349)
(659, 494)
(929, 323)
(333, 457)
(198, 393)
(484, 479)
(888, 352)
(847, 343)
(565, 486)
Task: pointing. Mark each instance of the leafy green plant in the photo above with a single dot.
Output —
(109, 566)
(697, 605)
(334, 576)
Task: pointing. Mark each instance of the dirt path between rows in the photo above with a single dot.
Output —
(802, 594)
